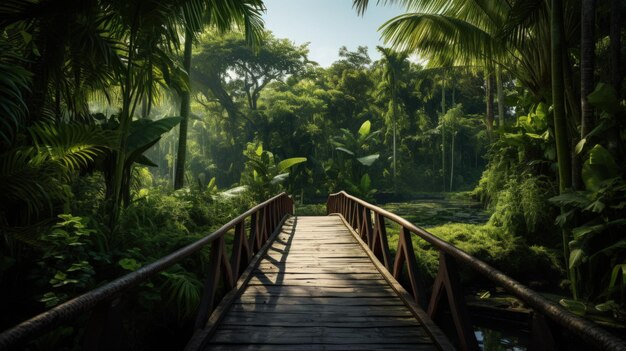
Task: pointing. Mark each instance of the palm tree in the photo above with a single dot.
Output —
(393, 62)
(76, 54)
(222, 16)
(520, 36)
(587, 55)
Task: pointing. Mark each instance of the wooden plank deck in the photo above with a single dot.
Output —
(317, 288)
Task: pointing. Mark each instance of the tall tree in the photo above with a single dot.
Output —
(616, 68)
(222, 16)
(393, 62)
(185, 107)
(587, 63)
(558, 111)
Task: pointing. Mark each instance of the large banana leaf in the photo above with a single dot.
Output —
(368, 160)
(143, 131)
(599, 167)
(290, 162)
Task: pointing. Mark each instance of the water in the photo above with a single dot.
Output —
(434, 212)
(500, 340)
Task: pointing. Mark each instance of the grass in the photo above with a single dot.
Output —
(311, 209)
(464, 224)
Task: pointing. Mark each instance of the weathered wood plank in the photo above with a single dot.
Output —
(317, 269)
(329, 347)
(305, 276)
(311, 320)
(337, 301)
(323, 310)
(314, 291)
(318, 282)
(312, 335)
(316, 288)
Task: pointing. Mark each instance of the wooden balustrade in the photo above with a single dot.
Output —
(549, 319)
(105, 302)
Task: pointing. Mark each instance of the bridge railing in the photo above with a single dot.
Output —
(103, 303)
(549, 319)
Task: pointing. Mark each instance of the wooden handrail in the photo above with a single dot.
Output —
(264, 217)
(358, 214)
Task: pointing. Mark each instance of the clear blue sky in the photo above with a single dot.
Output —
(328, 25)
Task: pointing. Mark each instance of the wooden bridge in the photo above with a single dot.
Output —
(321, 283)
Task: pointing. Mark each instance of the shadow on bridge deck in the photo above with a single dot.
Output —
(318, 287)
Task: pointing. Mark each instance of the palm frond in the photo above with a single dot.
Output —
(14, 81)
(72, 145)
(444, 40)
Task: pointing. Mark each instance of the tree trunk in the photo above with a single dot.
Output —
(500, 92)
(126, 117)
(616, 69)
(560, 125)
(394, 112)
(452, 160)
(587, 64)
(489, 93)
(443, 153)
(443, 132)
(179, 178)
(614, 144)
(443, 95)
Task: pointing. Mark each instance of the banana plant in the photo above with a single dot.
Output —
(143, 134)
(598, 247)
(263, 176)
(353, 156)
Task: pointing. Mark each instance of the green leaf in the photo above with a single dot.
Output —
(542, 111)
(580, 146)
(259, 150)
(575, 307)
(572, 198)
(607, 306)
(620, 245)
(365, 129)
(368, 160)
(534, 136)
(129, 263)
(615, 274)
(605, 98)
(211, 187)
(345, 150)
(280, 178)
(144, 160)
(581, 231)
(290, 162)
(599, 167)
(596, 206)
(366, 182)
(576, 258)
(144, 131)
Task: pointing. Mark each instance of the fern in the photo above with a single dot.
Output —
(34, 176)
(183, 290)
(14, 80)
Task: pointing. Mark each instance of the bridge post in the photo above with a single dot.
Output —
(241, 254)
(406, 255)
(211, 283)
(104, 329)
(447, 281)
(380, 245)
(366, 224)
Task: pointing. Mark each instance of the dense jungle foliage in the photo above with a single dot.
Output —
(131, 128)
